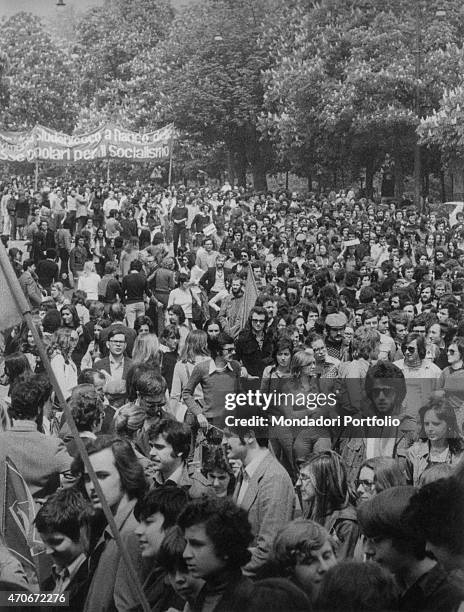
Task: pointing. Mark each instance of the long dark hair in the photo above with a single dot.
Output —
(445, 412)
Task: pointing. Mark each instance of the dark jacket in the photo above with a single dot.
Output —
(77, 589)
(432, 592)
(209, 278)
(255, 359)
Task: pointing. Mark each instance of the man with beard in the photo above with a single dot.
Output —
(214, 279)
(385, 389)
(230, 315)
(426, 297)
(335, 326)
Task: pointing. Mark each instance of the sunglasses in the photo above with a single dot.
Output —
(410, 349)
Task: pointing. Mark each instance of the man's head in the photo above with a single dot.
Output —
(116, 343)
(258, 320)
(63, 524)
(170, 445)
(435, 511)
(136, 265)
(117, 312)
(414, 348)
(236, 286)
(385, 387)
(208, 245)
(87, 408)
(118, 471)
(220, 261)
(151, 393)
(157, 512)
(28, 397)
(218, 535)
(391, 542)
(335, 326)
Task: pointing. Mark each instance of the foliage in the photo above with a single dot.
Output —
(41, 78)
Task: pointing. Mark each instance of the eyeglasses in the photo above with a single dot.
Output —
(228, 349)
(386, 391)
(410, 349)
(366, 484)
(260, 321)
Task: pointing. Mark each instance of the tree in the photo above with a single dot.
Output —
(206, 77)
(343, 91)
(111, 39)
(40, 75)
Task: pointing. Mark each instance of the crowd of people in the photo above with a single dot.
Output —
(157, 307)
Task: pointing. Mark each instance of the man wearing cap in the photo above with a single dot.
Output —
(334, 327)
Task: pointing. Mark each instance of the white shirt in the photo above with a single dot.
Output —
(117, 369)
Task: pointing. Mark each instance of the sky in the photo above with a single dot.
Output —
(43, 8)
(48, 9)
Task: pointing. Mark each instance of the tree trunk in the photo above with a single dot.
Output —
(259, 176)
(369, 177)
(443, 186)
(399, 176)
(230, 167)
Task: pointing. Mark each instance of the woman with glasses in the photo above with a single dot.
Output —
(328, 499)
(440, 440)
(377, 474)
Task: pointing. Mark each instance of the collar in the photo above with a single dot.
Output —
(69, 570)
(121, 516)
(251, 468)
(23, 425)
(87, 434)
(213, 368)
(115, 362)
(174, 478)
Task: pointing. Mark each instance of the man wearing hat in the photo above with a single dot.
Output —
(335, 324)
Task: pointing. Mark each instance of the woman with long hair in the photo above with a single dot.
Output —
(29, 348)
(16, 366)
(328, 499)
(62, 345)
(440, 439)
(176, 316)
(146, 350)
(98, 250)
(194, 351)
(89, 280)
(298, 442)
(378, 474)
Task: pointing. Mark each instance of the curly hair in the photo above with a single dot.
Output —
(86, 407)
(226, 525)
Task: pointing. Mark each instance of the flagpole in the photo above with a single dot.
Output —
(36, 174)
(24, 309)
(170, 159)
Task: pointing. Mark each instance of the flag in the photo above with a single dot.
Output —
(11, 312)
(250, 295)
(17, 513)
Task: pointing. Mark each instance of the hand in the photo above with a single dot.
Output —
(202, 421)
